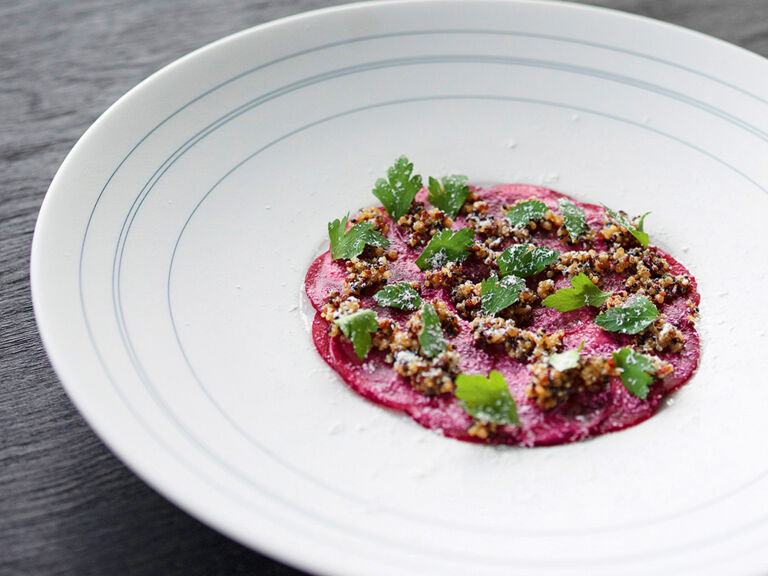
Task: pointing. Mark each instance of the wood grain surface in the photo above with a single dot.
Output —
(67, 505)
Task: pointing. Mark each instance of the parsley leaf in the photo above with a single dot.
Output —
(358, 327)
(400, 295)
(487, 399)
(566, 360)
(445, 247)
(498, 295)
(451, 195)
(520, 214)
(635, 315)
(638, 233)
(398, 192)
(525, 260)
(636, 371)
(583, 293)
(574, 218)
(352, 243)
(431, 335)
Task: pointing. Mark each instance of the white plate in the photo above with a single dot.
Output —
(170, 251)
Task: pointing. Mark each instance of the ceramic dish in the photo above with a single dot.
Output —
(170, 252)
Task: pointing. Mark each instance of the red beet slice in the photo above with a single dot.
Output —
(589, 415)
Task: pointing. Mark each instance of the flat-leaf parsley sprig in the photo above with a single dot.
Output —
(574, 218)
(431, 336)
(451, 195)
(487, 399)
(400, 295)
(497, 295)
(520, 214)
(634, 316)
(525, 260)
(353, 242)
(446, 246)
(358, 327)
(635, 370)
(583, 293)
(397, 192)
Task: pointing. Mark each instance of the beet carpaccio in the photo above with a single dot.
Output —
(510, 315)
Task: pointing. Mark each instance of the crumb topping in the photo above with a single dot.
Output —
(376, 216)
(423, 223)
(550, 387)
(482, 430)
(616, 234)
(549, 222)
(364, 274)
(520, 344)
(445, 277)
(467, 298)
(590, 262)
(430, 376)
(338, 305)
(660, 336)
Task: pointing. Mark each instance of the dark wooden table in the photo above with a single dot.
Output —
(67, 505)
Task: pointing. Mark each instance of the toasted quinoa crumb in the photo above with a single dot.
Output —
(520, 344)
(445, 277)
(467, 299)
(423, 223)
(661, 336)
(363, 276)
(550, 387)
(430, 376)
(375, 215)
(482, 430)
(338, 305)
(545, 288)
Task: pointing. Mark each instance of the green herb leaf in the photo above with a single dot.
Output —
(353, 242)
(525, 260)
(520, 214)
(400, 295)
(397, 193)
(446, 246)
(566, 360)
(449, 197)
(358, 327)
(431, 335)
(583, 293)
(638, 232)
(635, 315)
(636, 371)
(487, 399)
(498, 295)
(574, 218)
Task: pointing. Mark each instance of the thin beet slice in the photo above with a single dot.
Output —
(583, 416)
